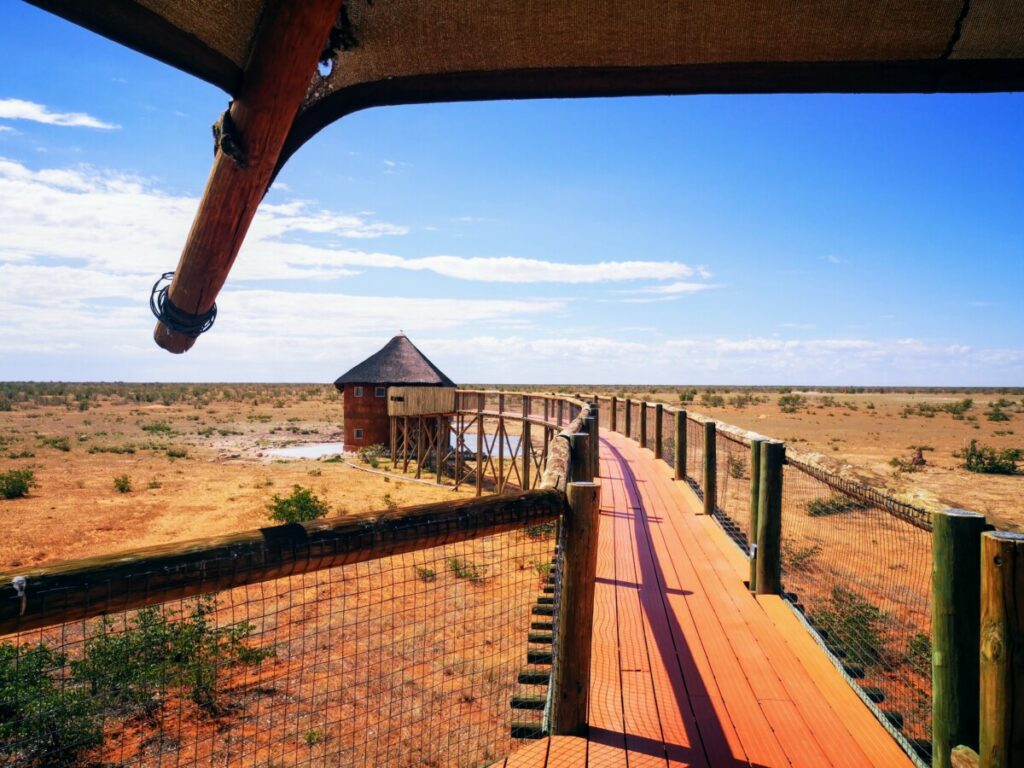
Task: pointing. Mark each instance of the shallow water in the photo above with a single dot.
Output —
(308, 451)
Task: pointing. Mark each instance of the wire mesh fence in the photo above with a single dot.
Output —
(732, 487)
(668, 437)
(695, 454)
(857, 564)
(399, 661)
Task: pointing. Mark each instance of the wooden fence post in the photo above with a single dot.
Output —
(769, 519)
(525, 444)
(614, 415)
(594, 445)
(659, 412)
(643, 423)
(580, 461)
(479, 450)
(1001, 712)
(755, 493)
(710, 465)
(680, 445)
(956, 614)
(576, 612)
(628, 418)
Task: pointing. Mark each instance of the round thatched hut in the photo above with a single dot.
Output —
(365, 387)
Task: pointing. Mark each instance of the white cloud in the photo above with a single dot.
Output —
(832, 259)
(19, 109)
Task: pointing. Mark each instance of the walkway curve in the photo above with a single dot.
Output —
(690, 669)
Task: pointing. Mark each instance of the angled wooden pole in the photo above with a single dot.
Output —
(956, 616)
(680, 445)
(1001, 712)
(755, 498)
(576, 611)
(659, 413)
(769, 519)
(710, 468)
(277, 76)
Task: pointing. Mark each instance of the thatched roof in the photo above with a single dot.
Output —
(450, 50)
(398, 362)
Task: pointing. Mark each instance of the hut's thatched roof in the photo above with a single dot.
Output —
(398, 362)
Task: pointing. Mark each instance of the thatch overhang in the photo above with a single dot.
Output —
(413, 51)
(264, 53)
(399, 362)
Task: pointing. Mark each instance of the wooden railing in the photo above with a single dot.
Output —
(554, 484)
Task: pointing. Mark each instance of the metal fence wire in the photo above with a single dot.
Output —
(405, 660)
(668, 437)
(857, 565)
(695, 455)
(732, 487)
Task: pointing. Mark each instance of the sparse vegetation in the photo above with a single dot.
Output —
(854, 626)
(16, 483)
(298, 507)
(791, 403)
(987, 460)
(426, 574)
(834, 505)
(123, 484)
(796, 558)
(464, 569)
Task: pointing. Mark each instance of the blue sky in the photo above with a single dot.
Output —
(770, 239)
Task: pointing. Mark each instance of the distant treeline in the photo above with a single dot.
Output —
(616, 389)
(82, 394)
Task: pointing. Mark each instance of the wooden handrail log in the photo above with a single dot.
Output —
(79, 589)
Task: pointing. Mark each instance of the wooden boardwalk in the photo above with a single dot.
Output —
(690, 669)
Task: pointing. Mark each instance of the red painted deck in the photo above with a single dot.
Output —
(689, 668)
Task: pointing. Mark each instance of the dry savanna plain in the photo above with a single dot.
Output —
(121, 466)
(413, 641)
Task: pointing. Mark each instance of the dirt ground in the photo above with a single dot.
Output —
(861, 433)
(195, 458)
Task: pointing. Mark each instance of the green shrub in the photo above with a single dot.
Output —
(15, 483)
(712, 400)
(736, 466)
(854, 626)
(130, 671)
(300, 506)
(464, 569)
(157, 428)
(790, 403)
(42, 722)
(426, 574)
(123, 484)
(60, 443)
(834, 505)
(996, 414)
(541, 531)
(919, 653)
(798, 558)
(177, 453)
(987, 460)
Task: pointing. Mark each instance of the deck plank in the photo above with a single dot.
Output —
(690, 669)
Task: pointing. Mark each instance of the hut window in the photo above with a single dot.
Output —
(381, 391)
(359, 434)
(357, 391)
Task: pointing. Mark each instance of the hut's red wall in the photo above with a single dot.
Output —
(368, 413)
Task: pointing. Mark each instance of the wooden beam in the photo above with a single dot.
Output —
(956, 613)
(1001, 712)
(659, 412)
(576, 612)
(100, 585)
(277, 76)
(769, 519)
(680, 457)
(710, 478)
(755, 494)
